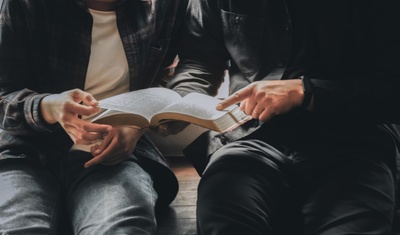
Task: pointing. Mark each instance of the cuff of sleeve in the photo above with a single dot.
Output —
(329, 103)
(34, 116)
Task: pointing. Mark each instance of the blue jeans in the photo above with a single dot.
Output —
(37, 199)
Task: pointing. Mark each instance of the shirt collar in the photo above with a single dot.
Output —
(81, 3)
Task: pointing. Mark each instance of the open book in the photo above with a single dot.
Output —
(149, 107)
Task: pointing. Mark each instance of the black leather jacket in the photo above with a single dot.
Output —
(357, 46)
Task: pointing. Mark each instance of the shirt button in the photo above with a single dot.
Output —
(287, 27)
(279, 64)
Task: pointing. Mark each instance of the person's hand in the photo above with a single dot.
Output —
(116, 147)
(65, 108)
(170, 128)
(266, 99)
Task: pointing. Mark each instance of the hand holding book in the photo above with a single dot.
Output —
(148, 108)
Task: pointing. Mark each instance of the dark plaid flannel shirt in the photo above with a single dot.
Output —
(45, 48)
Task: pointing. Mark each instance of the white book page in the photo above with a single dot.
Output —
(198, 105)
(144, 102)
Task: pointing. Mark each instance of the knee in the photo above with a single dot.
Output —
(127, 198)
(235, 199)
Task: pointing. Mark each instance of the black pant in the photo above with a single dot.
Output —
(251, 187)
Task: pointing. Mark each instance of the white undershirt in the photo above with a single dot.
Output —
(108, 71)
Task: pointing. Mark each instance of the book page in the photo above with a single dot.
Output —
(143, 102)
(198, 105)
(117, 118)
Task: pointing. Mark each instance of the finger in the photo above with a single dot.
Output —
(80, 109)
(106, 143)
(257, 111)
(102, 157)
(82, 126)
(95, 127)
(90, 101)
(95, 161)
(84, 142)
(243, 105)
(256, 114)
(82, 136)
(98, 158)
(235, 98)
(265, 115)
(95, 150)
(85, 97)
(250, 108)
(92, 136)
(77, 137)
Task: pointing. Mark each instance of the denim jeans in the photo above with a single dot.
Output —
(47, 199)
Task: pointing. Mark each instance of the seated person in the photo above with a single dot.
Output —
(320, 80)
(57, 58)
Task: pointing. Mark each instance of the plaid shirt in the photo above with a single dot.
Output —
(45, 48)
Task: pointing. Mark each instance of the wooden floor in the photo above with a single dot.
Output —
(180, 217)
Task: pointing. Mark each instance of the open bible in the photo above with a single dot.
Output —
(149, 107)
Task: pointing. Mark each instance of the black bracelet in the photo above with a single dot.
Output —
(307, 90)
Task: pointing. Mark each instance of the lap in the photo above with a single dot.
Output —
(352, 196)
(351, 191)
(38, 199)
(111, 199)
(30, 199)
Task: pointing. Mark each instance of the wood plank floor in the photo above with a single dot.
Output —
(180, 217)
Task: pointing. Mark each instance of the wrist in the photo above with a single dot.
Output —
(45, 110)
